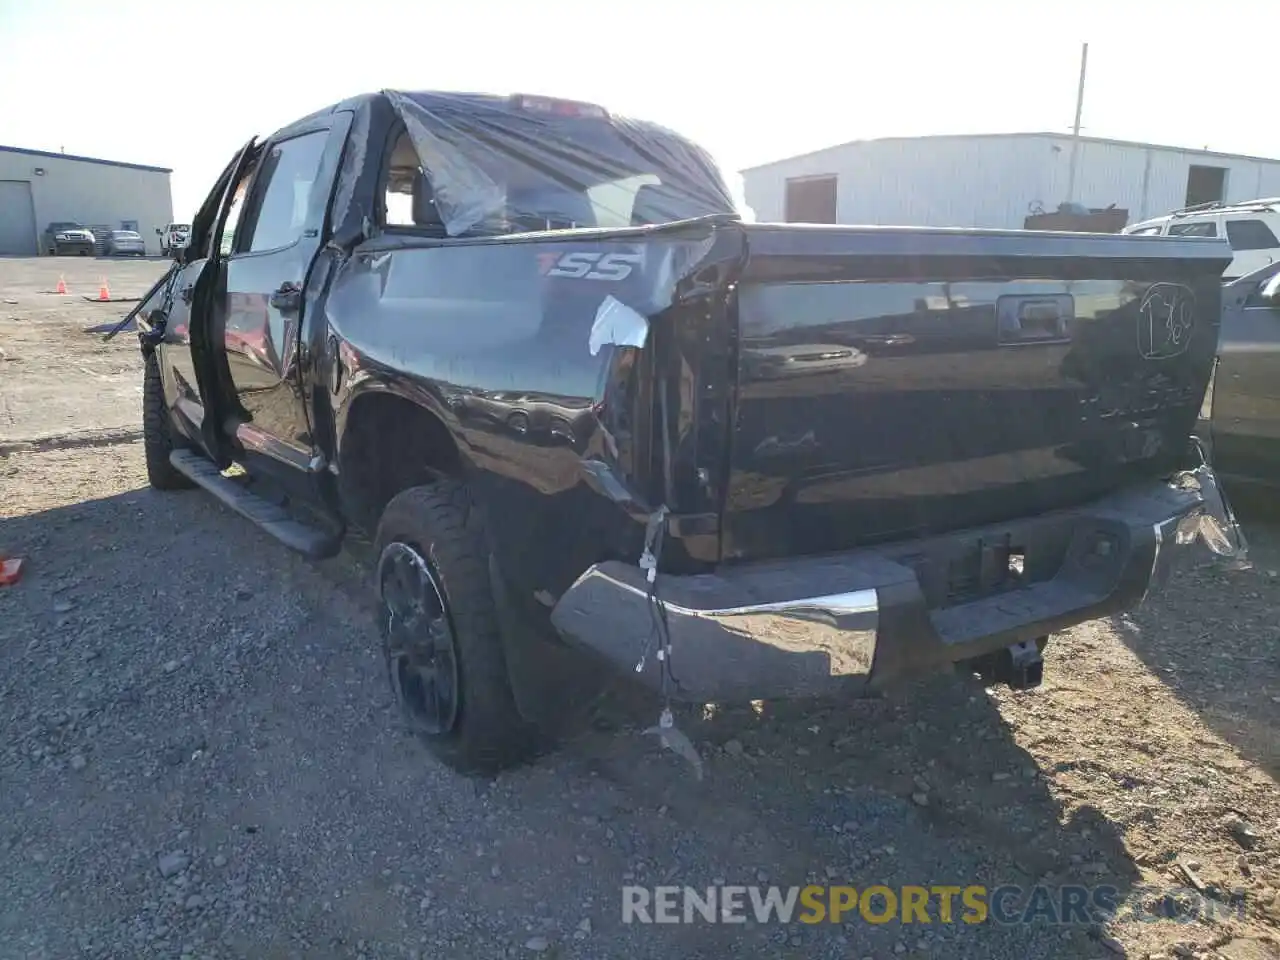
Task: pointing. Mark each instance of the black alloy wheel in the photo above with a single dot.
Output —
(422, 653)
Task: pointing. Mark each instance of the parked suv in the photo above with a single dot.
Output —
(67, 237)
(1252, 227)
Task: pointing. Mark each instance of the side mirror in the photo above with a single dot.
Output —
(158, 231)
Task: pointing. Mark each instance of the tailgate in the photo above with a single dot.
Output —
(895, 383)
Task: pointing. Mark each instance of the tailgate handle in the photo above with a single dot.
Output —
(1035, 319)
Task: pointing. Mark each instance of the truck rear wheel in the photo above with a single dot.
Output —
(157, 432)
(441, 639)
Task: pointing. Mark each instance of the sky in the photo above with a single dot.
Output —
(182, 85)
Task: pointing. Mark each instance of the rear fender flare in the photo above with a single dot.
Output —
(368, 384)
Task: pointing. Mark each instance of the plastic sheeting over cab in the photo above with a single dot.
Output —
(491, 165)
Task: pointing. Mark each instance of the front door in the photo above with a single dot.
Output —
(186, 358)
(271, 254)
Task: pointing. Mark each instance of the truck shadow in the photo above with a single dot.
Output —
(1210, 636)
(923, 786)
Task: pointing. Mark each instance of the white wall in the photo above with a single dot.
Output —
(994, 181)
(93, 193)
(1151, 182)
(944, 181)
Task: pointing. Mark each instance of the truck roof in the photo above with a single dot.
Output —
(445, 101)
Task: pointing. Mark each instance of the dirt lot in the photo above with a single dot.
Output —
(200, 757)
(54, 379)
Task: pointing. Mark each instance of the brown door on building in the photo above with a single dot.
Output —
(1206, 185)
(811, 200)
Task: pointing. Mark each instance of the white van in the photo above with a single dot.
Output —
(1251, 227)
(174, 237)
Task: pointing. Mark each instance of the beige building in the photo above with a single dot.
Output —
(38, 188)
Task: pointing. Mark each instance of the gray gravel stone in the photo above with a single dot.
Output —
(172, 864)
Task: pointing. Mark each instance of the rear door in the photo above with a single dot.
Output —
(266, 270)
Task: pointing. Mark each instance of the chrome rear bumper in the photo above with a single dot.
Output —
(815, 625)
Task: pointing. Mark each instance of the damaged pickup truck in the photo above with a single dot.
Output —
(590, 416)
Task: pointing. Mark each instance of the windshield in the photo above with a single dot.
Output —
(180, 227)
(125, 235)
(66, 225)
(495, 165)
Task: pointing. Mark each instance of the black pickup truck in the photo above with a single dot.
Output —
(589, 415)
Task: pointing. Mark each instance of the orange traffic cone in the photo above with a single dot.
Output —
(10, 570)
(103, 292)
(62, 285)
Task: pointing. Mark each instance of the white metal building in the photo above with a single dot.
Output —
(38, 188)
(996, 180)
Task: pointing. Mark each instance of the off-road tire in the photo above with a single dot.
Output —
(157, 432)
(440, 522)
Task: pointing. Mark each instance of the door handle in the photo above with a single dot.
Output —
(287, 298)
(1027, 318)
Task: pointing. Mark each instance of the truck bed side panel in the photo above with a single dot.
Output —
(530, 351)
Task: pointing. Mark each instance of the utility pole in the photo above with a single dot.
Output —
(1075, 130)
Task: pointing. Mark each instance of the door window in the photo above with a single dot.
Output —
(282, 195)
(1201, 228)
(1250, 235)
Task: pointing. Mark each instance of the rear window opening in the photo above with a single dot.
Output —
(533, 203)
(486, 167)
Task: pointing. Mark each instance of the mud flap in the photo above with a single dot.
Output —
(551, 683)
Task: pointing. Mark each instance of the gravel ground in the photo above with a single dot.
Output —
(200, 758)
